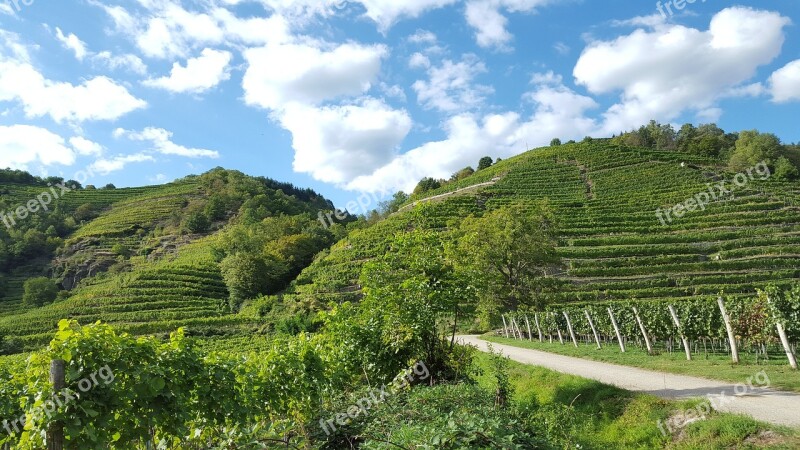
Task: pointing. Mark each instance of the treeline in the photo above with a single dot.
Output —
(429, 184)
(738, 151)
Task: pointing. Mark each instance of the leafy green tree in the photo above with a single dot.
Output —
(485, 163)
(84, 213)
(510, 250)
(753, 148)
(247, 276)
(427, 184)
(785, 170)
(555, 142)
(463, 173)
(197, 222)
(39, 291)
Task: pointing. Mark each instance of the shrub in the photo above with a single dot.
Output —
(39, 291)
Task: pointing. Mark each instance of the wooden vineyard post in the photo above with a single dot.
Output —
(538, 328)
(685, 341)
(594, 330)
(558, 330)
(505, 326)
(55, 432)
(785, 341)
(729, 328)
(569, 328)
(644, 332)
(514, 326)
(616, 329)
(528, 325)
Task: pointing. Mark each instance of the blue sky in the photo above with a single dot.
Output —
(371, 95)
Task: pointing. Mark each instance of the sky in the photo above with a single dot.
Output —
(370, 96)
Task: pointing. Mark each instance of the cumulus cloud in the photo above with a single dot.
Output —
(785, 83)
(86, 147)
(162, 143)
(287, 73)
(490, 25)
(128, 62)
(73, 43)
(657, 72)
(200, 74)
(451, 86)
(104, 166)
(25, 145)
(337, 143)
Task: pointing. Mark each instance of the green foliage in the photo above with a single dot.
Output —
(555, 142)
(753, 148)
(485, 163)
(39, 291)
(426, 185)
(785, 170)
(197, 222)
(509, 252)
(248, 276)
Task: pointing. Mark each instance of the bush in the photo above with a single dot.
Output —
(197, 222)
(39, 291)
(785, 170)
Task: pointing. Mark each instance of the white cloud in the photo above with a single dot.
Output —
(657, 70)
(200, 74)
(24, 145)
(5, 8)
(422, 37)
(785, 83)
(104, 166)
(162, 143)
(73, 43)
(490, 24)
(336, 143)
(450, 86)
(387, 12)
(100, 98)
(282, 74)
(418, 60)
(127, 61)
(561, 48)
(559, 112)
(86, 147)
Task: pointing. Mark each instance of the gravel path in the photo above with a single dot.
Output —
(767, 405)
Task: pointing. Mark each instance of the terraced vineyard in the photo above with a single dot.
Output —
(613, 244)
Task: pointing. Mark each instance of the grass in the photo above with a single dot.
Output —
(598, 416)
(714, 366)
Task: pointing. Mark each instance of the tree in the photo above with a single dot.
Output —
(463, 173)
(485, 163)
(753, 148)
(39, 291)
(247, 276)
(197, 222)
(510, 251)
(427, 184)
(84, 213)
(555, 142)
(109, 186)
(785, 170)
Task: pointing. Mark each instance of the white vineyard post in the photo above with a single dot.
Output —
(616, 329)
(644, 331)
(785, 341)
(729, 328)
(538, 328)
(594, 330)
(685, 341)
(571, 331)
(528, 325)
(505, 326)
(558, 330)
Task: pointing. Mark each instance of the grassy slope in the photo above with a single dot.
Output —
(712, 366)
(608, 417)
(612, 242)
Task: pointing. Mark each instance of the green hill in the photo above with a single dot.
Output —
(612, 242)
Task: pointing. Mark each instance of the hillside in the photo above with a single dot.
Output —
(145, 259)
(611, 240)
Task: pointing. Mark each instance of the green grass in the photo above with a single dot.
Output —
(715, 366)
(606, 417)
